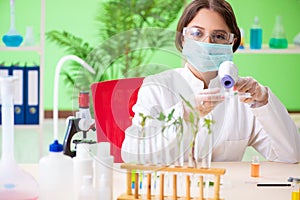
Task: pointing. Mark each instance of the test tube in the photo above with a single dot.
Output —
(255, 165)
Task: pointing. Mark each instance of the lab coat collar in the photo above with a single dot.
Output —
(197, 84)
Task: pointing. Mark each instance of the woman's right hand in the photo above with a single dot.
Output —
(206, 101)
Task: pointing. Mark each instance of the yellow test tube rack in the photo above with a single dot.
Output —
(217, 172)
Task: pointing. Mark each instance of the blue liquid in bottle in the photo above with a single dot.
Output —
(12, 40)
(255, 38)
(256, 35)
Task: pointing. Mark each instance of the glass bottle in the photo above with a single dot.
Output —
(255, 165)
(278, 39)
(296, 189)
(256, 35)
(15, 183)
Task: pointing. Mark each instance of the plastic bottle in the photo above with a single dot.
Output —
(87, 192)
(56, 175)
(82, 165)
(256, 35)
(103, 166)
(278, 39)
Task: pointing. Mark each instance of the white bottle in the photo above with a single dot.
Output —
(103, 171)
(82, 165)
(87, 192)
(56, 175)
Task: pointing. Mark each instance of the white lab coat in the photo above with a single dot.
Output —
(269, 128)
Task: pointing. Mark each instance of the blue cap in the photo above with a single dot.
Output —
(56, 147)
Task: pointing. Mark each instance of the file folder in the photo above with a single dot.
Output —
(19, 108)
(32, 96)
(4, 71)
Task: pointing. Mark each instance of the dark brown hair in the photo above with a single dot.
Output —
(220, 6)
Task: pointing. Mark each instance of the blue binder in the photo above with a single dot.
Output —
(4, 71)
(19, 106)
(32, 96)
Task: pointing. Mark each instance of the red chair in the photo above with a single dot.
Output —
(113, 101)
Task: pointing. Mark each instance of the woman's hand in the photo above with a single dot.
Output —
(206, 101)
(259, 93)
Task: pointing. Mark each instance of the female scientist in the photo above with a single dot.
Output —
(207, 35)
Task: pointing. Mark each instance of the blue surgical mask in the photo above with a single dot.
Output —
(206, 56)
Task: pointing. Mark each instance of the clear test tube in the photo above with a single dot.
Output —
(255, 165)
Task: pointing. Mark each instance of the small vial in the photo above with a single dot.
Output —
(296, 189)
(255, 165)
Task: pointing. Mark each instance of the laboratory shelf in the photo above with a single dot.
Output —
(38, 49)
(292, 49)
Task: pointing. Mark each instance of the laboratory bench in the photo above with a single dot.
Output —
(236, 183)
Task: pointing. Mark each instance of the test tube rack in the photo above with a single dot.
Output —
(217, 172)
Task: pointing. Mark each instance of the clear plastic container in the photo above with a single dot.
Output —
(56, 175)
(82, 165)
(278, 39)
(103, 174)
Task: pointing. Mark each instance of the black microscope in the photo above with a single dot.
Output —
(82, 122)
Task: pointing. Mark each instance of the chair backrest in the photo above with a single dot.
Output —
(113, 101)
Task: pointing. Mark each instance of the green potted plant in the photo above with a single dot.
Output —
(130, 31)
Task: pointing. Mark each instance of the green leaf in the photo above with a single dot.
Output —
(187, 102)
(161, 116)
(191, 117)
(72, 44)
(170, 116)
(207, 124)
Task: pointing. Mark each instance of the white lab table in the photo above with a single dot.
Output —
(236, 183)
